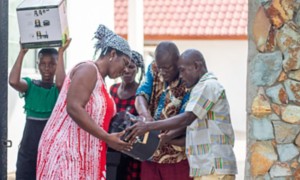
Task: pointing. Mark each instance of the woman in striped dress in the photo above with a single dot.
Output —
(73, 143)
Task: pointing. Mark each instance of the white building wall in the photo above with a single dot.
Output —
(136, 25)
(84, 19)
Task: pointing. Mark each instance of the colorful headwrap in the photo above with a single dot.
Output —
(107, 38)
(138, 60)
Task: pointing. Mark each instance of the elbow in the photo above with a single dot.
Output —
(137, 98)
(190, 117)
(13, 83)
(136, 104)
(140, 101)
(14, 79)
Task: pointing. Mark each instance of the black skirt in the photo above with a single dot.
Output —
(27, 155)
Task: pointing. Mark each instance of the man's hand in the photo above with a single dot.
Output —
(139, 128)
(164, 138)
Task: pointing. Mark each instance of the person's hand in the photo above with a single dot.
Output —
(137, 129)
(149, 119)
(146, 116)
(164, 138)
(22, 50)
(178, 142)
(65, 46)
(116, 143)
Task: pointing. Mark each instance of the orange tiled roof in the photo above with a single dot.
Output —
(188, 19)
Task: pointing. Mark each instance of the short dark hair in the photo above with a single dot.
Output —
(167, 48)
(47, 51)
(196, 56)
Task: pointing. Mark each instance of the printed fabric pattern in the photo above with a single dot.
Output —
(164, 101)
(68, 152)
(210, 138)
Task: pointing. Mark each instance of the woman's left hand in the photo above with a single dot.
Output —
(116, 143)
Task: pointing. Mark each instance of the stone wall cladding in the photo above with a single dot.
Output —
(273, 90)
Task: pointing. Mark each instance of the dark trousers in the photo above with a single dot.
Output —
(27, 155)
(156, 171)
(116, 165)
(121, 167)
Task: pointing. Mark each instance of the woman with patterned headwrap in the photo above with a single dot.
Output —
(73, 143)
(126, 168)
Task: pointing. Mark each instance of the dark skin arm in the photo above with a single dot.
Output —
(141, 106)
(178, 142)
(15, 80)
(174, 137)
(60, 72)
(180, 120)
(83, 81)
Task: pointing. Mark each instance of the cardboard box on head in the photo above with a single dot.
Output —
(42, 23)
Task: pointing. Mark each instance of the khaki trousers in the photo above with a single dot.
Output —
(216, 177)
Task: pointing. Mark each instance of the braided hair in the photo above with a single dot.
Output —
(138, 60)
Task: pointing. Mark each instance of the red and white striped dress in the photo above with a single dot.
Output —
(68, 152)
